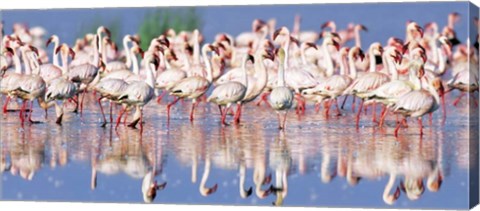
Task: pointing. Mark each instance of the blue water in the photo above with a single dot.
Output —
(62, 157)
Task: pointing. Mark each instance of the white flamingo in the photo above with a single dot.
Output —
(281, 97)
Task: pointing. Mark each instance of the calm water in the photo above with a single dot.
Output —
(318, 161)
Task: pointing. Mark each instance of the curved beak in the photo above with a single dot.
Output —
(364, 28)
(48, 41)
(209, 191)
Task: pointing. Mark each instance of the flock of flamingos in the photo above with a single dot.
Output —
(285, 68)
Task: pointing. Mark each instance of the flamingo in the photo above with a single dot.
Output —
(85, 74)
(139, 93)
(30, 87)
(465, 75)
(61, 88)
(53, 70)
(299, 79)
(281, 97)
(10, 79)
(120, 65)
(204, 191)
(229, 93)
(419, 101)
(194, 86)
(361, 86)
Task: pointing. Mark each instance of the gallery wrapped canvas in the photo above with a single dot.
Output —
(361, 105)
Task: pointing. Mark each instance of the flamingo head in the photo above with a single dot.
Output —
(104, 30)
(310, 45)
(414, 27)
(281, 31)
(53, 38)
(170, 33)
(208, 191)
(258, 24)
(454, 16)
(434, 183)
(361, 27)
(390, 199)
(66, 50)
(329, 24)
(446, 45)
(413, 188)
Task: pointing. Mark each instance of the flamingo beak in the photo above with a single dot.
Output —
(420, 30)
(107, 31)
(405, 48)
(337, 46)
(72, 53)
(364, 28)
(33, 49)
(212, 190)
(48, 41)
(326, 24)
(276, 33)
(294, 40)
(312, 45)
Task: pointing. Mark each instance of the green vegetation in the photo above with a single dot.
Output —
(159, 20)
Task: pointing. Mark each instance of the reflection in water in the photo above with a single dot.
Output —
(267, 165)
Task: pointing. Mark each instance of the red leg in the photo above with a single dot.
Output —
(317, 107)
(327, 110)
(472, 97)
(238, 113)
(170, 105)
(30, 113)
(6, 104)
(159, 98)
(141, 120)
(374, 112)
(192, 110)
(101, 109)
(22, 110)
(111, 115)
(430, 118)
(81, 102)
(338, 109)
(224, 115)
(384, 114)
(360, 109)
(120, 117)
(458, 99)
(420, 125)
(397, 128)
(284, 120)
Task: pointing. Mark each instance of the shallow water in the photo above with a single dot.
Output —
(327, 161)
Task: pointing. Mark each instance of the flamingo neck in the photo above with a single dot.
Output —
(206, 172)
(343, 64)
(358, 41)
(127, 54)
(261, 72)
(150, 80)
(373, 64)
(104, 51)
(208, 66)
(296, 27)
(281, 74)
(327, 60)
(64, 63)
(351, 63)
(134, 62)
(241, 173)
(287, 48)
(392, 68)
(96, 51)
(55, 53)
(303, 48)
(26, 63)
(388, 188)
(442, 65)
(17, 63)
(196, 49)
(245, 74)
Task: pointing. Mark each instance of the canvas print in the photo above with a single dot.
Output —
(362, 105)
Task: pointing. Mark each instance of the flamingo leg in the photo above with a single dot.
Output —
(344, 101)
(81, 102)
(192, 110)
(238, 113)
(159, 98)
(22, 110)
(141, 119)
(111, 115)
(263, 98)
(444, 108)
(374, 112)
(170, 105)
(458, 99)
(120, 117)
(383, 115)
(327, 110)
(284, 120)
(353, 104)
(221, 111)
(360, 109)
(101, 109)
(397, 128)
(472, 96)
(6, 104)
(317, 107)
(338, 109)
(224, 115)
(420, 125)
(30, 113)
(279, 121)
